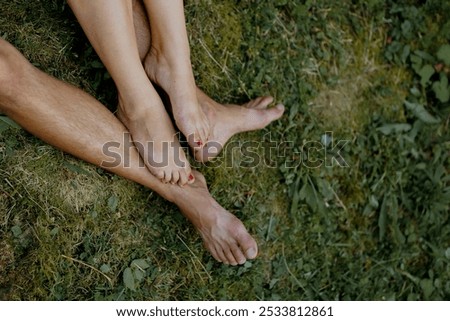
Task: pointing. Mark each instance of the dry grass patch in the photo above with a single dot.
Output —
(348, 103)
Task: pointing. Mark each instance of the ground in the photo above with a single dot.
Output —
(374, 227)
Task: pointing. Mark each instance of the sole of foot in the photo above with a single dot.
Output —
(228, 120)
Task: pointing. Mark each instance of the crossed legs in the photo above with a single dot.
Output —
(224, 120)
(76, 123)
(109, 27)
(165, 55)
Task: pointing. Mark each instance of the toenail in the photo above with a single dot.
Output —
(199, 143)
(191, 177)
(251, 253)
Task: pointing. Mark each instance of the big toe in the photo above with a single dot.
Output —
(248, 246)
(277, 111)
(208, 152)
(260, 102)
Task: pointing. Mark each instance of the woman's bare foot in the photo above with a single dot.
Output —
(228, 120)
(155, 138)
(178, 82)
(223, 234)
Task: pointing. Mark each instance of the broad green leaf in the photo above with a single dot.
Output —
(425, 74)
(427, 287)
(441, 89)
(394, 128)
(444, 54)
(406, 28)
(141, 264)
(425, 56)
(416, 92)
(416, 62)
(105, 268)
(54, 231)
(128, 279)
(112, 203)
(6, 122)
(421, 113)
(310, 197)
(406, 52)
(16, 230)
(3, 126)
(138, 275)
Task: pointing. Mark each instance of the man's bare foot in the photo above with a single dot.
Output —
(223, 234)
(178, 82)
(228, 120)
(155, 138)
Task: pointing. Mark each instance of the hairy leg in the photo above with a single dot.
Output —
(109, 27)
(170, 52)
(224, 120)
(76, 123)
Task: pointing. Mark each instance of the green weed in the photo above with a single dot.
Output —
(373, 73)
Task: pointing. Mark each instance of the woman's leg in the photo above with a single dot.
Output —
(109, 27)
(76, 123)
(225, 120)
(170, 52)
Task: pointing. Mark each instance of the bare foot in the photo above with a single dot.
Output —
(178, 82)
(228, 120)
(155, 138)
(223, 234)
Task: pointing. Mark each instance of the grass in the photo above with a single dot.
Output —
(375, 230)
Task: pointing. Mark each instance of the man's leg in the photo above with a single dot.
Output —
(224, 120)
(76, 123)
(109, 27)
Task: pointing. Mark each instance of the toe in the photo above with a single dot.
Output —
(195, 141)
(251, 253)
(175, 177)
(260, 102)
(230, 257)
(190, 177)
(276, 112)
(183, 179)
(223, 258)
(160, 175)
(167, 176)
(238, 255)
(214, 253)
(248, 246)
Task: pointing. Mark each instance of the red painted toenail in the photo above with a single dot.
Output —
(191, 177)
(199, 143)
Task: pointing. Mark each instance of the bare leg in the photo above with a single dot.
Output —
(109, 27)
(75, 122)
(224, 120)
(170, 51)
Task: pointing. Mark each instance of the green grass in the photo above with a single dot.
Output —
(376, 230)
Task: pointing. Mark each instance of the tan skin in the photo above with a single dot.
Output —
(166, 62)
(69, 119)
(225, 120)
(109, 26)
(76, 123)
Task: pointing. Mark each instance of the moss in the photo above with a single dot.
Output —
(362, 88)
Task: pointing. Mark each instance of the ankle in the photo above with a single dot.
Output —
(170, 61)
(132, 109)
